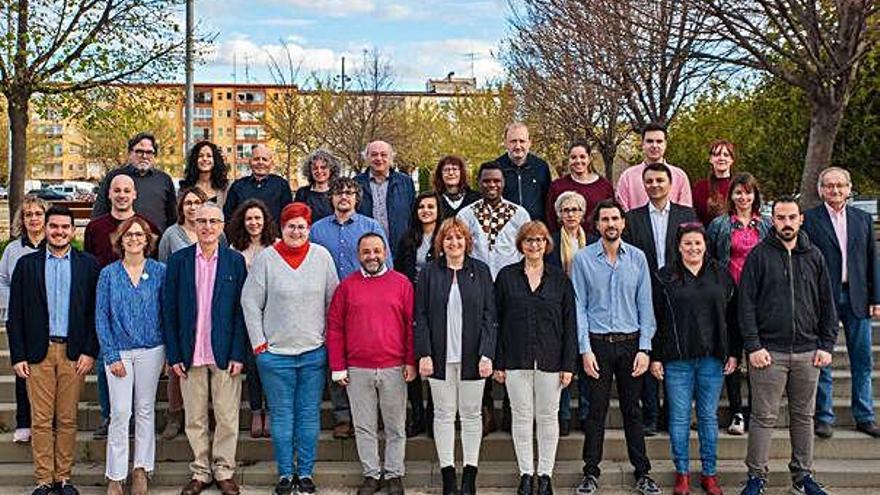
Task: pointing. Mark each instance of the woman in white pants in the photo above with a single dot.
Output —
(455, 343)
(128, 321)
(537, 350)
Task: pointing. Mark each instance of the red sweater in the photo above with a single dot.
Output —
(702, 192)
(370, 322)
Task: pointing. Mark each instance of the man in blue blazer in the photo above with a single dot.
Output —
(53, 344)
(205, 341)
(845, 235)
(386, 194)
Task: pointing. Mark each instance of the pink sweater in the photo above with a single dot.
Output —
(370, 322)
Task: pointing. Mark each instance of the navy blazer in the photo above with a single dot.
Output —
(179, 306)
(863, 271)
(639, 233)
(398, 201)
(27, 325)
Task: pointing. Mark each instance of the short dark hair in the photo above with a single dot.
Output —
(654, 126)
(785, 198)
(657, 167)
(606, 204)
(582, 143)
(58, 210)
(125, 226)
(181, 218)
(492, 165)
(688, 228)
(749, 183)
(140, 137)
(340, 184)
(371, 234)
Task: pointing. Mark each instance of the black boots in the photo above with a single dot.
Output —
(449, 485)
(469, 481)
(525, 485)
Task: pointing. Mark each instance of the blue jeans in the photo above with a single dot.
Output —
(103, 389)
(858, 346)
(700, 380)
(583, 398)
(294, 386)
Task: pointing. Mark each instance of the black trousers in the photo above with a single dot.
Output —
(22, 404)
(615, 360)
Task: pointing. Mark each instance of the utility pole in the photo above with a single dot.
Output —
(190, 96)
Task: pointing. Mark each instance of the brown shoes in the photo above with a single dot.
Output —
(194, 487)
(256, 424)
(228, 486)
(139, 482)
(343, 430)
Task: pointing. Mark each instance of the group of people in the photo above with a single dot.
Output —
(527, 283)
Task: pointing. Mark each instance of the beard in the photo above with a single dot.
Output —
(787, 234)
(373, 267)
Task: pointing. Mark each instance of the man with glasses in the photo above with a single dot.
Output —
(206, 341)
(156, 197)
(262, 184)
(387, 194)
(339, 233)
(845, 236)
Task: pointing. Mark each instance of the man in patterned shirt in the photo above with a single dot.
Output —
(494, 223)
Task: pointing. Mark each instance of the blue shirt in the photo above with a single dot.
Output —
(58, 292)
(613, 298)
(341, 240)
(129, 317)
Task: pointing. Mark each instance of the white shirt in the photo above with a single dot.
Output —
(659, 225)
(504, 251)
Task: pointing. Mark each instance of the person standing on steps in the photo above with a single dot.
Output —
(320, 168)
(455, 341)
(452, 186)
(630, 191)
(28, 234)
(583, 179)
(262, 184)
(205, 340)
(526, 176)
(207, 170)
(789, 326)
(616, 323)
(53, 345)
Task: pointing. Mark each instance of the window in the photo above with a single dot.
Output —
(244, 151)
(202, 113)
(249, 132)
(228, 95)
(57, 150)
(229, 114)
(203, 133)
(250, 116)
(250, 96)
(202, 97)
(219, 96)
(219, 132)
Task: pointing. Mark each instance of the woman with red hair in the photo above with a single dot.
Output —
(710, 194)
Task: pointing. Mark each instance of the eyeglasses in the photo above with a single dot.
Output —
(535, 240)
(301, 228)
(206, 221)
(835, 185)
(192, 203)
(144, 152)
(134, 235)
(450, 170)
(571, 210)
(345, 193)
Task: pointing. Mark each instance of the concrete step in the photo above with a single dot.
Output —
(90, 415)
(420, 474)
(846, 445)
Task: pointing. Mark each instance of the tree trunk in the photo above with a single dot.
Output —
(18, 121)
(825, 122)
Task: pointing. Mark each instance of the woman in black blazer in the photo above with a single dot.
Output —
(455, 344)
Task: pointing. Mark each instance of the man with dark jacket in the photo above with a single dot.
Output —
(652, 229)
(53, 344)
(205, 340)
(156, 197)
(789, 326)
(261, 184)
(526, 177)
(386, 194)
(845, 235)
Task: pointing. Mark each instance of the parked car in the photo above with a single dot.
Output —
(48, 194)
(4, 194)
(867, 204)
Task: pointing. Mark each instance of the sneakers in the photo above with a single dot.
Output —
(100, 432)
(65, 488)
(21, 435)
(43, 490)
(753, 486)
(737, 425)
(823, 429)
(588, 486)
(646, 486)
(808, 486)
(286, 485)
(306, 485)
(711, 485)
(682, 484)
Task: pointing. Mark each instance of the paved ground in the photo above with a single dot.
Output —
(268, 490)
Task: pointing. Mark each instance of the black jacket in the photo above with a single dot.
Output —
(406, 254)
(478, 331)
(28, 318)
(639, 233)
(696, 315)
(447, 211)
(528, 185)
(539, 326)
(785, 302)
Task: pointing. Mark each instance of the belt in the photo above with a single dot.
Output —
(615, 337)
(57, 340)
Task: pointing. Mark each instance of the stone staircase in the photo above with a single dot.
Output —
(849, 460)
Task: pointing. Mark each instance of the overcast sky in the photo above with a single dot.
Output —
(423, 39)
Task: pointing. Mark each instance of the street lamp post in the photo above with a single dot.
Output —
(190, 96)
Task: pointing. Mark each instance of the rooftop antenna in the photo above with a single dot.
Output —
(234, 78)
(472, 56)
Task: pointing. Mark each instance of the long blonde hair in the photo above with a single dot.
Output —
(17, 229)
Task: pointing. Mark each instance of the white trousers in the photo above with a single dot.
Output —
(465, 397)
(134, 392)
(534, 397)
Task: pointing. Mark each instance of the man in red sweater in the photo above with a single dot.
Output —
(370, 348)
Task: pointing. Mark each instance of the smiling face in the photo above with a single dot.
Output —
(491, 184)
(657, 185)
(142, 155)
(134, 240)
(261, 161)
(534, 247)
(191, 205)
(692, 248)
(610, 223)
(572, 215)
(579, 161)
(320, 171)
(742, 199)
(454, 244)
(654, 146)
(59, 231)
(451, 175)
(427, 210)
(379, 156)
(721, 160)
(253, 221)
(517, 143)
(295, 232)
(205, 161)
(371, 254)
(122, 193)
(209, 224)
(835, 189)
(34, 219)
(343, 201)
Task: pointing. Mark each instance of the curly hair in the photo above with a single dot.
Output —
(236, 232)
(320, 154)
(219, 172)
(456, 161)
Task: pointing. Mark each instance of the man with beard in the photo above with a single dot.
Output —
(789, 325)
(370, 349)
(616, 323)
